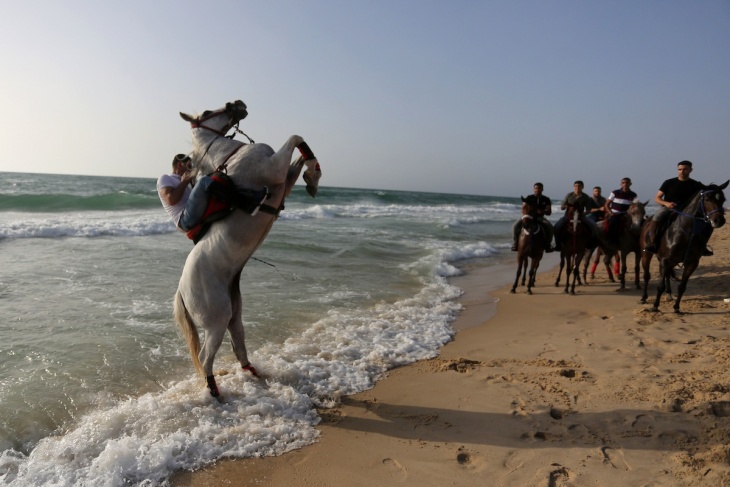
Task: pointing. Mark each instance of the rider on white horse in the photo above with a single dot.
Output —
(186, 207)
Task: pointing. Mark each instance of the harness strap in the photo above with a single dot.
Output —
(271, 210)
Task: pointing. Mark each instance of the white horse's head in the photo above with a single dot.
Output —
(218, 121)
(209, 127)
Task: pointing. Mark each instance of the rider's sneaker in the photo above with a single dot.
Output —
(514, 247)
(650, 248)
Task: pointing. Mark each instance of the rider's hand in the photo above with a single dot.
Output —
(186, 178)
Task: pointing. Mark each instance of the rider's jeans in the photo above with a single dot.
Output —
(196, 205)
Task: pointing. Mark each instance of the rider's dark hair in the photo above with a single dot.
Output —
(538, 184)
(684, 163)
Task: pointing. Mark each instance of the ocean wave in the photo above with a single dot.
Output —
(91, 224)
(58, 203)
(451, 215)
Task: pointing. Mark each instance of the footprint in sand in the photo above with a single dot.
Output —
(397, 471)
(556, 475)
(615, 458)
(643, 424)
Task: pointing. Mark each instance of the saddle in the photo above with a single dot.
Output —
(224, 198)
(612, 227)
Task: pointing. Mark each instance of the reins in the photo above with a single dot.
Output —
(701, 207)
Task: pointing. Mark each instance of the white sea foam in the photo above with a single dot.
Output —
(84, 224)
(141, 441)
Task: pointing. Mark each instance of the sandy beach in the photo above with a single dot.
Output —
(542, 390)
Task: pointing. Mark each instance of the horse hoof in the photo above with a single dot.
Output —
(513, 291)
(252, 369)
(213, 387)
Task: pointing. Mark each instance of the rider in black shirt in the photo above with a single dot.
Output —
(544, 208)
(672, 196)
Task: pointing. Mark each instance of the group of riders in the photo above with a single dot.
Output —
(673, 194)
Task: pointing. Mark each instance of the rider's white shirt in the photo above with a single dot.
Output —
(172, 181)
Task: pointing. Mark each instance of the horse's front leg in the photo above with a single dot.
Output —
(622, 274)
(664, 273)
(576, 271)
(688, 270)
(520, 260)
(568, 271)
(637, 267)
(645, 263)
(562, 264)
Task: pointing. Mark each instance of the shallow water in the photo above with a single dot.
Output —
(96, 387)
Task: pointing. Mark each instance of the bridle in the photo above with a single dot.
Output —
(705, 216)
(199, 124)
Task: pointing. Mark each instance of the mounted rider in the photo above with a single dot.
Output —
(184, 204)
(582, 202)
(598, 206)
(672, 197)
(617, 204)
(544, 208)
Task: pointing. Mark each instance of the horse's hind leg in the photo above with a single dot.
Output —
(211, 344)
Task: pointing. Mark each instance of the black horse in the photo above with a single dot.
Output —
(685, 240)
(530, 246)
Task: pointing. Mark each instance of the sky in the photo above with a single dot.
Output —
(455, 96)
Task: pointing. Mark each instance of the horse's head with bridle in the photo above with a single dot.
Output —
(710, 208)
(218, 121)
(637, 214)
(210, 129)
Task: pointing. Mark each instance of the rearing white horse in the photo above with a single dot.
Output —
(208, 293)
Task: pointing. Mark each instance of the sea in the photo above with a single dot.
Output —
(96, 384)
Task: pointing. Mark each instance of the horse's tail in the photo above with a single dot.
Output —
(189, 331)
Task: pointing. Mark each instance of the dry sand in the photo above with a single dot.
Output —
(553, 390)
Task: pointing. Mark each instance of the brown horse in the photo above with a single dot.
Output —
(530, 246)
(626, 240)
(574, 239)
(684, 241)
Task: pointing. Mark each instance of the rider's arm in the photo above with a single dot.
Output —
(659, 200)
(173, 195)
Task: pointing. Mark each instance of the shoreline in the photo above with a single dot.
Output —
(550, 389)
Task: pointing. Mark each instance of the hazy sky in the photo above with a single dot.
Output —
(478, 97)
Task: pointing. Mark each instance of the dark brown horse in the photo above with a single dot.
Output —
(684, 241)
(574, 239)
(625, 240)
(530, 246)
